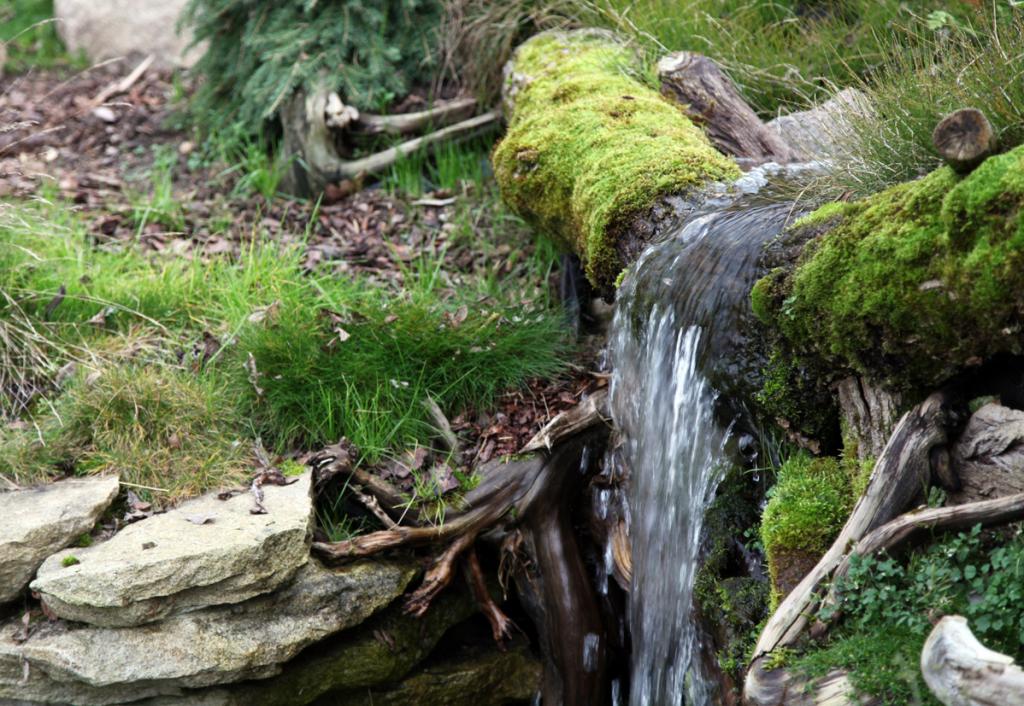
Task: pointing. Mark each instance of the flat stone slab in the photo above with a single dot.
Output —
(205, 552)
(37, 522)
(95, 666)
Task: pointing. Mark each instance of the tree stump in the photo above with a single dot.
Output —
(964, 138)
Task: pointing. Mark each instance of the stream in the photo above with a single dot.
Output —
(678, 317)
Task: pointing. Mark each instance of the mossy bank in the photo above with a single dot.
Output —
(907, 287)
(589, 145)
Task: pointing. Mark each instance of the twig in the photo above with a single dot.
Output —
(144, 487)
(124, 84)
(441, 425)
(371, 504)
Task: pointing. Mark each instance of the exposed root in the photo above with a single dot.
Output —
(501, 625)
(439, 576)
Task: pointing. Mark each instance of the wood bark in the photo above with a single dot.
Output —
(902, 473)
(443, 114)
(988, 458)
(964, 138)
(586, 414)
(710, 98)
(870, 412)
(780, 687)
(960, 671)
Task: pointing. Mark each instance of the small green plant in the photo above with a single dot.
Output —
(456, 164)
(157, 204)
(335, 522)
(260, 52)
(83, 540)
(405, 176)
(69, 560)
(889, 606)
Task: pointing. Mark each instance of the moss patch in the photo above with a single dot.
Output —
(912, 284)
(589, 145)
(806, 509)
(730, 601)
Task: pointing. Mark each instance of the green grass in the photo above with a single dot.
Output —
(457, 339)
(782, 53)
(155, 201)
(980, 66)
(462, 349)
(30, 36)
(163, 429)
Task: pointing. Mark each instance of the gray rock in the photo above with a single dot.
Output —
(108, 29)
(821, 132)
(37, 522)
(988, 457)
(379, 652)
(205, 552)
(93, 666)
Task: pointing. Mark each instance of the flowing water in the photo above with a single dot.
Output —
(677, 320)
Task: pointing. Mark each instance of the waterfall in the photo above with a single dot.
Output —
(676, 321)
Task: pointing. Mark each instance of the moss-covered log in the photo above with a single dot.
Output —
(907, 287)
(591, 148)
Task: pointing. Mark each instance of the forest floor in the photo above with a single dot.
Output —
(136, 176)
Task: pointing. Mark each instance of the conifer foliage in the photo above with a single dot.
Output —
(260, 51)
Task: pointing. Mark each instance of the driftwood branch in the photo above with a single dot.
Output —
(441, 425)
(540, 490)
(309, 142)
(710, 98)
(588, 413)
(122, 86)
(901, 473)
(442, 114)
(960, 671)
(913, 525)
(780, 687)
(964, 138)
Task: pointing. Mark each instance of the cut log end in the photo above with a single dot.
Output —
(964, 138)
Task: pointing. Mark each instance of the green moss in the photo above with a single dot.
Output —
(589, 145)
(806, 509)
(912, 284)
(732, 603)
(69, 560)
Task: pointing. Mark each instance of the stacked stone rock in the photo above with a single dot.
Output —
(202, 604)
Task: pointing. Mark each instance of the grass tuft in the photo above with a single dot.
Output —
(166, 432)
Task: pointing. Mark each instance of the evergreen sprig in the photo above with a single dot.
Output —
(260, 51)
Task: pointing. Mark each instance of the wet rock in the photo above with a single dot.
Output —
(37, 522)
(989, 455)
(483, 677)
(205, 552)
(92, 666)
(108, 29)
